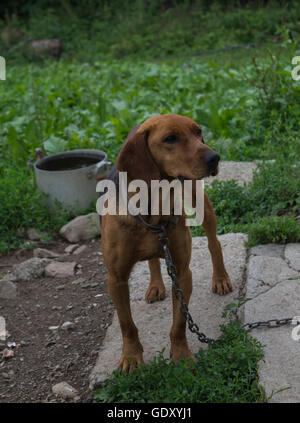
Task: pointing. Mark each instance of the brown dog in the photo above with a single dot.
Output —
(163, 147)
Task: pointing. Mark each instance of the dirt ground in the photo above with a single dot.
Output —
(45, 357)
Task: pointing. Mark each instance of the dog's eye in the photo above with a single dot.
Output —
(171, 139)
(199, 132)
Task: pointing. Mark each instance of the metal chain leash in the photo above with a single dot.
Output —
(272, 323)
(178, 292)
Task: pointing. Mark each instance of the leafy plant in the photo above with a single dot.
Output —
(68, 105)
(273, 230)
(22, 208)
(225, 372)
(266, 209)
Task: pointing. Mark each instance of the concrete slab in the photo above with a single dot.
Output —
(154, 320)
(265, 272)
(268, 250)
(280, 298)
(242, 172)
(292, 255)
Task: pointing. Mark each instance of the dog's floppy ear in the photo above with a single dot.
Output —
(135, 159)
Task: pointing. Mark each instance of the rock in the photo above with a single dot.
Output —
(11, 373)
(78, 281)
(280, 368)
(8, 290)
(43, 253)
(82, 228)
(44, 48)
(64, 390)
(21, 253)
(278, 297)
(7, 354)
(268, 250)
(29, 269)
(242, 172)
(80, 249)
(70, 248)
(33, 235)
(68, 326)
(3, 331)
(265, 272)
(52, 328)
(60, 287)
(292, 255)
(57, 269)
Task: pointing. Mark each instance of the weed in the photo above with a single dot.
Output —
(21, 208)
(225, 372)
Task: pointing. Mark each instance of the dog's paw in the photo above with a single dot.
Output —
(128, 362)
(179, 353)
(155, 293)
(221, 286)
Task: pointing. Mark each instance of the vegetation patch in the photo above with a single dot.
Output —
(146, 29)
(226, 372)
(247, 103)
(267, 209)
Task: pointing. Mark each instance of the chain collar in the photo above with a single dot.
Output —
(161, 228)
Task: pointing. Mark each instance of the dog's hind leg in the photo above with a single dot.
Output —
(220, 281)
(156, 290)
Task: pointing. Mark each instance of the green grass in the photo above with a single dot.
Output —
(21, 208)
(267, 208)
(249, 109)
(226, 372)
(157, 29)
(63, 106)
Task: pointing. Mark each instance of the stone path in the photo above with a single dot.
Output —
(154, 320)
(268, 274)
(273, 283)
(242, 172)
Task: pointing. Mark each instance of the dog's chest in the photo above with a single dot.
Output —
(147, 246)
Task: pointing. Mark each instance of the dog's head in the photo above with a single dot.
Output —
(167, 146)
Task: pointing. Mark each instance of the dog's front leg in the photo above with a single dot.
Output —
(220, 281)
(132, 353)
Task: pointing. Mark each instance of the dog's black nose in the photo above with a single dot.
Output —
(212, 160)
